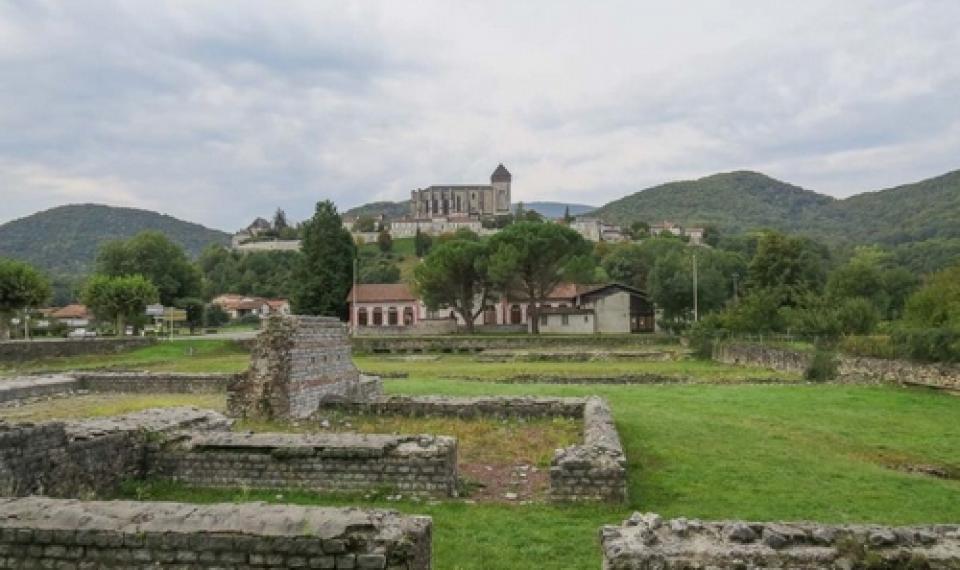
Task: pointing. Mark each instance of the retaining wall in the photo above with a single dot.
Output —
(330, 462)
(162, 382)
(86, 458)
(15, 389)
(645, 541)
(852, 369)
(50, 533)
(26, 350)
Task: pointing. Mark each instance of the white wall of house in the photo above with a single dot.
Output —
(567, 323)
(613, 312)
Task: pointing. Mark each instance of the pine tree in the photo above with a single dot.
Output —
(325, 273)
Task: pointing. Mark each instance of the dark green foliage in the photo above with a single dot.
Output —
(119, 298)
(377, 269)
(384, 241)
(21, 287)
(64, 240)
(823, 366)
(533, 258)
(455, 274)
(216, 316)
(259, 273)
(791, 264)
(932, 344)
(323, 277)
(196, 311)
(365, 224)
(154, 256)
(390, 210)
(422, 243)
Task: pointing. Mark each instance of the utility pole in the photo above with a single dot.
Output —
(736, 289)
(353, 300)
(696, 310)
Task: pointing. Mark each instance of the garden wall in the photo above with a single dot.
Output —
(422, 327)
(86, 458)
(26, 350)
(853, 369)
(645, 541)
(40, 532)
(329, 462)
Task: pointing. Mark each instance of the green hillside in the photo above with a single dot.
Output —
(64, 240)
(734, 202)
(392, 210)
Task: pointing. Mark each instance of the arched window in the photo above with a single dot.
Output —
(407, 316)
(392, 316)
(377, 317)
(516, 315)
(362, 316)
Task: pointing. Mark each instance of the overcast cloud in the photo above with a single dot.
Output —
(218, 112)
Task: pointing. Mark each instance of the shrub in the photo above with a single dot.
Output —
(823, 366)
(874, 346)
(936, 344)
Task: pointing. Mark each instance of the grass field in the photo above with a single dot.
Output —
(166, 356)
(465, 366)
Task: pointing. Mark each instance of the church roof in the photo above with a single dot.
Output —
(501, 174)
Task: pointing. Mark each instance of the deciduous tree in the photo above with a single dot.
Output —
(21, 287)
(119, 298)
(152, 255)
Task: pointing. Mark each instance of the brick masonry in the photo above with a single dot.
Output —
(298, 362)
(423, 464)
(646, 541)
(26, 350)
(38, 532)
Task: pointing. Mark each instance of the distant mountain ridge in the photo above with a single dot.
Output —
(740, 201)
(64, 240)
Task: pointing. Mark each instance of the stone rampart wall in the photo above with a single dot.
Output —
(40, 532)
(330, 462)
(852, 369)
(464, 343)
(12, 390)
(595, 470)
(26, 350)
(645, 541)
(423, 327)
(450, 406)
(86, 458)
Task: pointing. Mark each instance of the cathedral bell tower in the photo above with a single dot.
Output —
(500, 181)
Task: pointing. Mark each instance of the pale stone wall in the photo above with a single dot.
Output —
(324, 462)
(38, 532)
(26, 350)
(646, 541)
(404, 344)
(613, 313)
(579, 323)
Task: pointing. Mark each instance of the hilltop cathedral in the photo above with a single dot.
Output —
(464, 201)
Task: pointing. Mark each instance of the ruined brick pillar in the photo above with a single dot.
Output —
(298, 362)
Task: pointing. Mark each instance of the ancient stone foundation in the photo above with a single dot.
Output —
(298, 363)
(55, 533)
(87, 458)
(331, 462)
(26, 350)
(596, 470)
(645, 541)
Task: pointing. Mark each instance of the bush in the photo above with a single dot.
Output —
(823, 366)
(940, 344)
(874, 346)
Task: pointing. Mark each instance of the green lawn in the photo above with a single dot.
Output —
(465, 366)
(196, 356)
(821, 452)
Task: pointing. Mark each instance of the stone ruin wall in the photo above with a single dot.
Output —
(29, 387)
(595, 470)
(88, 458)
(298, 362)
(38, 532)
(421, 464)
(27, 350)
(646, 541)
(851, 369)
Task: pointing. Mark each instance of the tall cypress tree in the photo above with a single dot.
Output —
(325, 273)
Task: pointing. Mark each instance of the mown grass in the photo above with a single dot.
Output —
(465, 366)
(102, 405)
(187, 356)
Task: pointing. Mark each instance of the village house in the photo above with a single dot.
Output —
(693, 234)
(238, 306)
(569, 308)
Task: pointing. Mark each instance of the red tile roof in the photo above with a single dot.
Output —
(379, 292)
(74, 311)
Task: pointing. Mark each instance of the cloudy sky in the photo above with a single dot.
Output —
(220, 111)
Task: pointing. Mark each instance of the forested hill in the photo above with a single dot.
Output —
(734, 202)
(64, 240)
(741, 201)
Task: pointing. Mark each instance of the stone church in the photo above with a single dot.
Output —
(464, 201)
